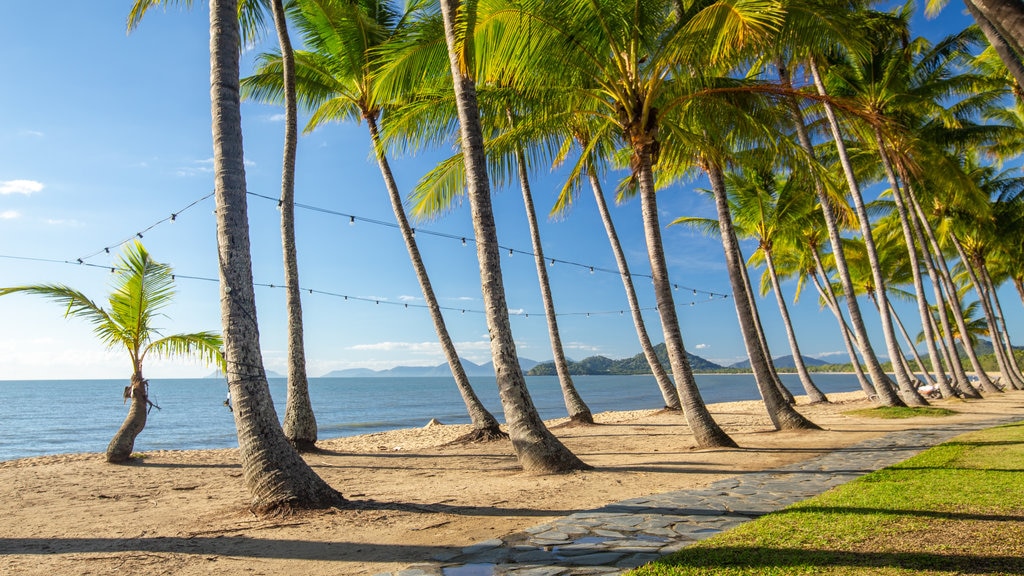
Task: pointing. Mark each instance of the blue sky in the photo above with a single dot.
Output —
(103, 134)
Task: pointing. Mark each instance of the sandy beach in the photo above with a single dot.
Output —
(410, 495)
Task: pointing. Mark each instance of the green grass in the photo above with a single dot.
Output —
(901, 412)
(957, 508)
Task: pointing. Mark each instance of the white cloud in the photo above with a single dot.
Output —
(702, 346)
(9, 215)
(398, 346)
(406, 298)
(32, 133)
(62, 222)
(276, 118)
(25, 187)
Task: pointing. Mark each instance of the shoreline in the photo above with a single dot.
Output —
(410, 498)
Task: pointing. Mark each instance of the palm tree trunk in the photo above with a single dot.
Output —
(706, 431)
(781, 412)
(276, 476)
(949, 353)
(123, 443)
(762, 339)
(578, 411)
(813, 394)
(1006, 16)
(908, 391)
(915, 266)
(881, 383)
(485, 425)
(668, 390)
(969, 265)
(537, 449)
(952, 301)
(830, 299)
(1018, 283)
(299, 419)
(1004, 334)
(926, 378)
(1006, 53)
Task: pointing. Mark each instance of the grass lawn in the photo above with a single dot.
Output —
(957, 508)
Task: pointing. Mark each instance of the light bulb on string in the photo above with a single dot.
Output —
(351, 220)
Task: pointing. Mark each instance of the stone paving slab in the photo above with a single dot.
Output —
(621, 536)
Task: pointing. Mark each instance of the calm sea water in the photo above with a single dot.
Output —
(63, 416)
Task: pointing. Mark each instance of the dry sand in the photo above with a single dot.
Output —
(410, 497)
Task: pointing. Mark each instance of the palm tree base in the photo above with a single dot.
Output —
(303, 446)
(478, 435)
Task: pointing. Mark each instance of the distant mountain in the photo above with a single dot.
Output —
(786, 361)
(601, 365)
(441, 370)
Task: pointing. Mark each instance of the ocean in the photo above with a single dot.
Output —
(68, 416)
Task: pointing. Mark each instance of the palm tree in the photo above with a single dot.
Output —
(335, 82)
(628, 59)
(142, 287)
(781, 412)
(769, 207)
(275, 474)
(1002, 21)
(299, 419)
(536, 447)
(829, 206)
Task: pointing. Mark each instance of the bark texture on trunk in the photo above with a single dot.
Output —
(668, 390)
(1006, 16)
(299, 419)
(706, 431)
(781, 412)
(880, 382)
(276, 476)
(536, 447)
(578, 411)
(1011, 59)
(814, 395)
(485, 425)
(833, 304)
(123, 443)
(909, 394)
(952, 300)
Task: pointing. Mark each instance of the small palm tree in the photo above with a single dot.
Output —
(141, 288)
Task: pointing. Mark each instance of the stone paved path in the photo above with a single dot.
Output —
(627, 534)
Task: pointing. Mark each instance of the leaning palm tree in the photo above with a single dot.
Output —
(299, 420)
(769, 207)
(275, 474)
(1002, 21)
(334, 81)
(628, 59)
(142, 287)
(536, 447)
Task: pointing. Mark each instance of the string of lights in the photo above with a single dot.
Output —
(139, 234)
(352, 218)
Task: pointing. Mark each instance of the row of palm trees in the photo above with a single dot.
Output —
(798, 104)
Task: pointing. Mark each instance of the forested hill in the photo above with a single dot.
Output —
(600, 365)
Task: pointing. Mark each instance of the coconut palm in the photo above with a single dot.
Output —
(536, 448)
(142, 288)
(335, 83)
(275, 474)
(768, 207)
(628, 58)
(299, 419)
(1002, 22)
(833, 28)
